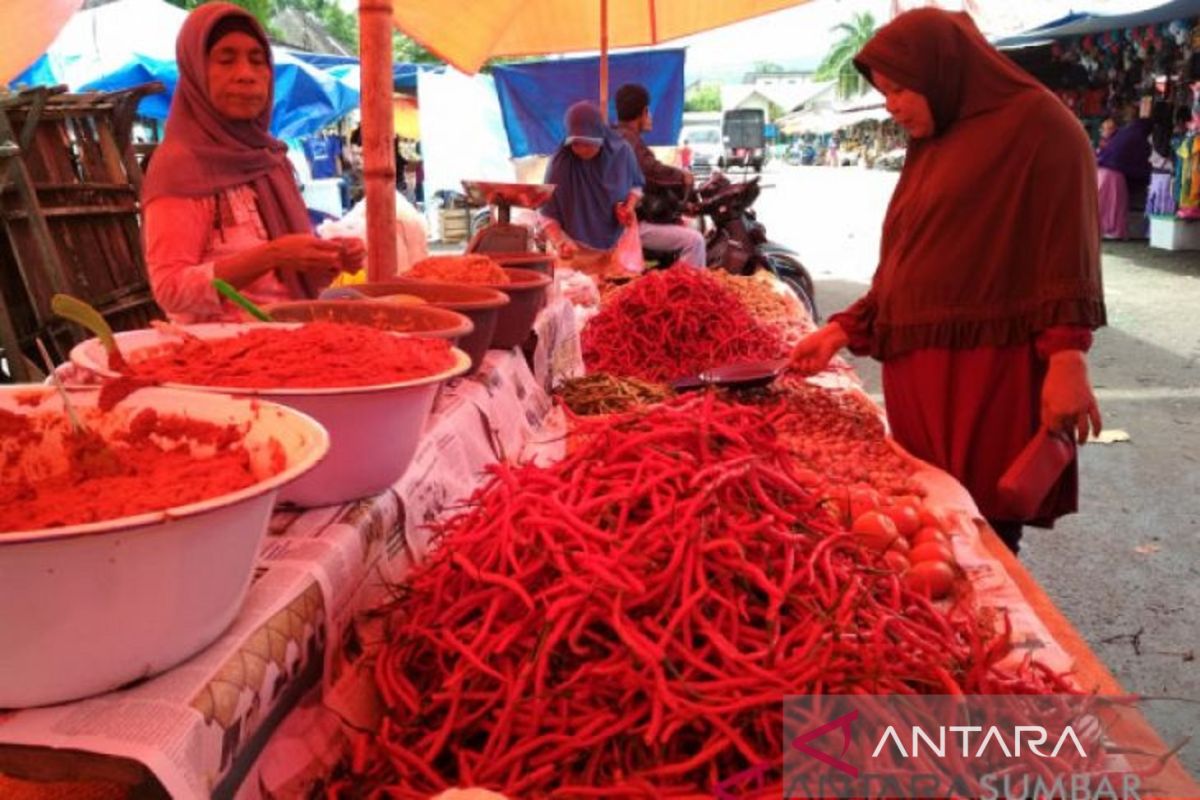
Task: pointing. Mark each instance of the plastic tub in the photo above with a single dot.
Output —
(479, 304)
(418, 320)
(538, 262)
(527, 296)
(85, 609)
(373, 430)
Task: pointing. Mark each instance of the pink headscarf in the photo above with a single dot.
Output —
(203, 152)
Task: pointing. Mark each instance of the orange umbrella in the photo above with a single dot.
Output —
(406, 115)
(27, 27)
(539, 27)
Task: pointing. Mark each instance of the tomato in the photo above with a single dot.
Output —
(838, 500)
(909, 500)
(931, 551)
(932, 578)
(862, 500)
(930, 534)
(907, 520)
(900, 545)
(875, 530)
(896, 561)
(934, 519)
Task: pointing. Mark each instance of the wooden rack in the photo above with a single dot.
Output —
(69, 217)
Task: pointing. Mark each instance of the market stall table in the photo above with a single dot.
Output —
(196, 730)
(293, 650)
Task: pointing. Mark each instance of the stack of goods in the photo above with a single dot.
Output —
(600, 393)
(673, 324)
(467, 268)
(627, 621)
(313, 355)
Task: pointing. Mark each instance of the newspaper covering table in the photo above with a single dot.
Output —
(200, 726)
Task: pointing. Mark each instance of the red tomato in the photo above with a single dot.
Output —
(896, 561)
(929, 534)
(875, 530)
(932, 578)
(907, 520)
(900, 545)
(931, 551)
(934, 519)
(862, 500)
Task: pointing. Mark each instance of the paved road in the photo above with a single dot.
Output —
(1126, 570)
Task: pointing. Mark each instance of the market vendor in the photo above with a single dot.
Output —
(988, 285)
(220, 199)
(596, 183)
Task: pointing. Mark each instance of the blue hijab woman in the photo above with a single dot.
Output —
(597, 182)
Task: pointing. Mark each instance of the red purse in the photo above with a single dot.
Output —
(1033, 473)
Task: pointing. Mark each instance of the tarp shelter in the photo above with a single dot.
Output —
(1078, 24)
(122, 44)
(404, 75)
(535, 95)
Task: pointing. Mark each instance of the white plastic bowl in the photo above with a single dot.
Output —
(373, 430)
(85, 609)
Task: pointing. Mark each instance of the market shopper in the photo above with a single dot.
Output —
(988, 284)
(1123, 168)
(665, 185)
(220, 199)
(596, 185)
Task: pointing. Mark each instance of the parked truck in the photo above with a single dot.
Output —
(744, 132)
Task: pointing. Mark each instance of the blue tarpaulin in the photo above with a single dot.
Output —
(129, 42)
(535, 95)
(404, 75)
(1082, 24)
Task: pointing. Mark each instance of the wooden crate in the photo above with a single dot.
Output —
(455, 224)
(69, 216)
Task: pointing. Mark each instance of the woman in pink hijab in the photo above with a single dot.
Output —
(220, 200)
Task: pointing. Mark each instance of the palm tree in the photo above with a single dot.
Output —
(839, 61)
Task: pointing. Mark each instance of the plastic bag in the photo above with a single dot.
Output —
(411, 236)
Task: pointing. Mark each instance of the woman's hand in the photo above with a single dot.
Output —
(303, 252)
(1068, 404)
(353, 253)
(625, 214)
(814, 352)
(565, 247)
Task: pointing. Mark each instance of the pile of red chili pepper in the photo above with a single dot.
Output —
(672, 324)
(626, 622)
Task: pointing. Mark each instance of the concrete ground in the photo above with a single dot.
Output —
(1126, 569)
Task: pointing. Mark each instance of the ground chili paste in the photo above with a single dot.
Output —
(151, 475)
(313, 356)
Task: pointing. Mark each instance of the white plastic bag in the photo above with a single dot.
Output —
(411, 237)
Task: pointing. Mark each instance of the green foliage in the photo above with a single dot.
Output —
(838, 63)
(703, 98)
(406, 50)
(261, 9)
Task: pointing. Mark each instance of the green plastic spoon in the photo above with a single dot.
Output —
(76, 310)
(237, 297)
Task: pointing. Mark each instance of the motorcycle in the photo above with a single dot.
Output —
(736, 241)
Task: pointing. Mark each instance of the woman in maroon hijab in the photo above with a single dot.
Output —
(219, 200)
(988, 285)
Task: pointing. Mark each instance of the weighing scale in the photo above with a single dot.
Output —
(502, 236)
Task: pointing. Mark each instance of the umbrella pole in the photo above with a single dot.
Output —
(604, 59)
(378, 134)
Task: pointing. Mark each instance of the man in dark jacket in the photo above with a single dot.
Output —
(633, 115)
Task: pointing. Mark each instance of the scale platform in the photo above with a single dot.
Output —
(502, 236)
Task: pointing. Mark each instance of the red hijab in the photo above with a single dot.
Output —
(203, 152)
(992, 234)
